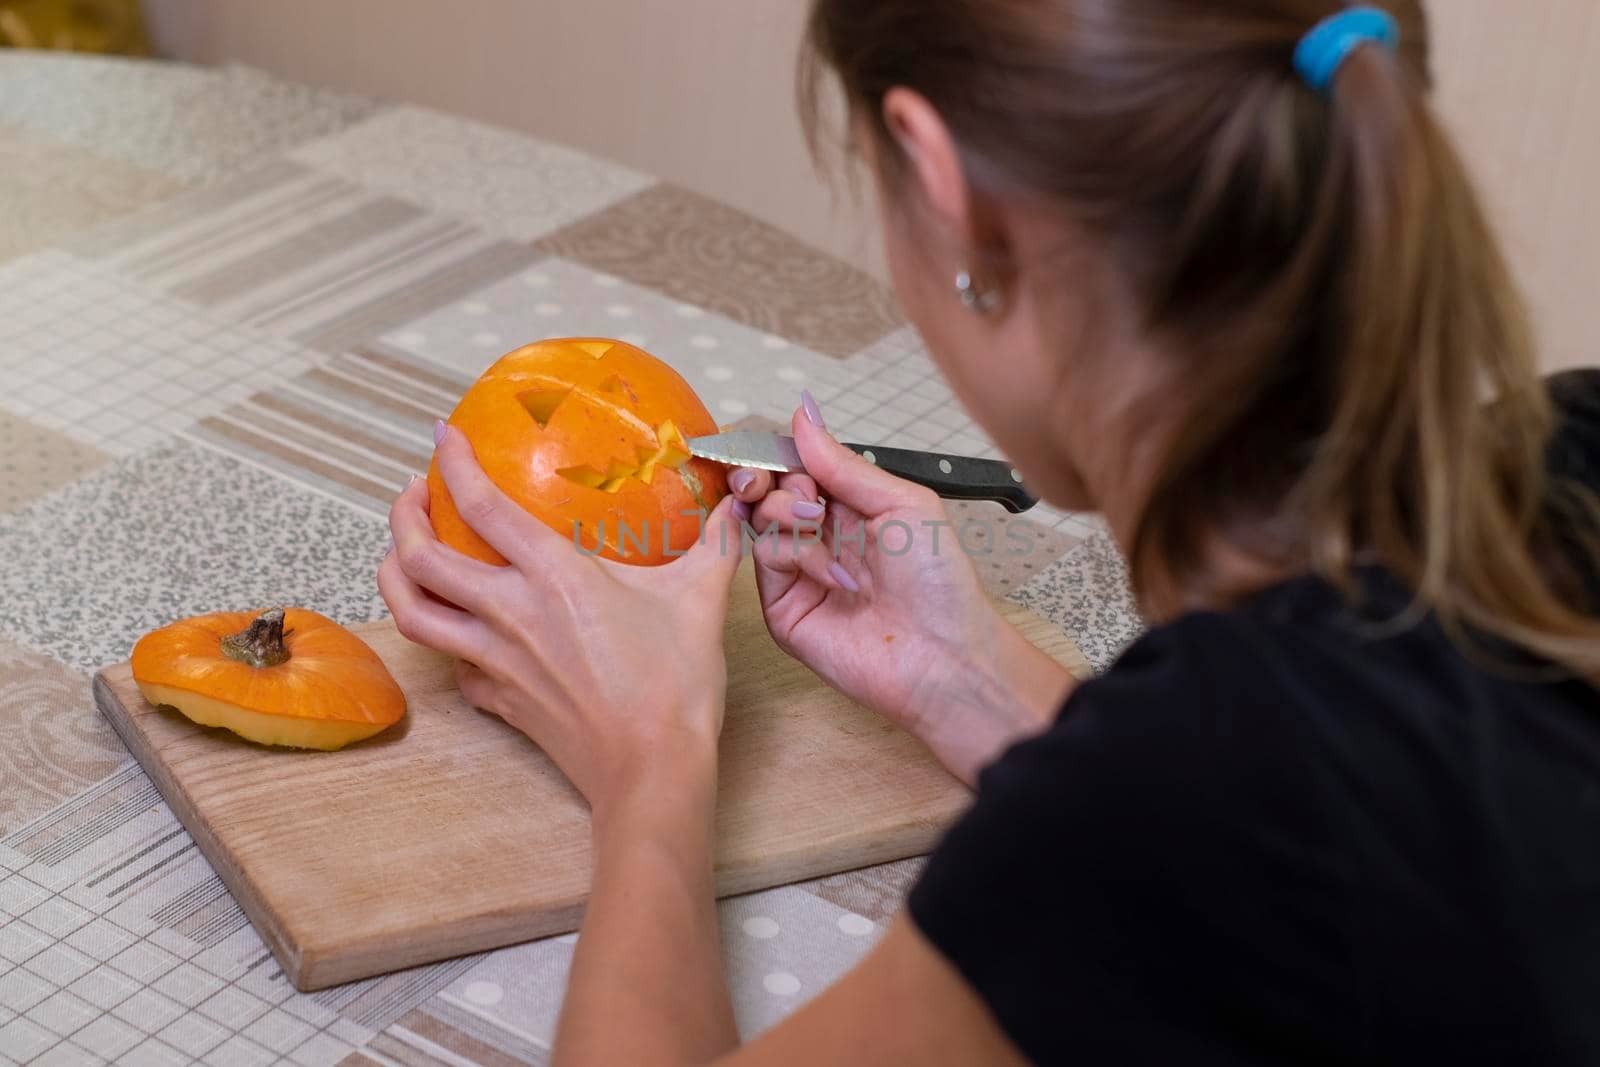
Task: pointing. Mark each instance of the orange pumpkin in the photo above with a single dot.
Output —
(292, 678)
(588, 435)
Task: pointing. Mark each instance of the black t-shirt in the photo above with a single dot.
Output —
(1276, 835)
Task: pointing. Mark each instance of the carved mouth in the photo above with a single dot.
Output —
(670, 452)
(667, 448)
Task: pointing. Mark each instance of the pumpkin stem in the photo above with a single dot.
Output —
(261, 643)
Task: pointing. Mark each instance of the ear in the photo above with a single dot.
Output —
(931, 154)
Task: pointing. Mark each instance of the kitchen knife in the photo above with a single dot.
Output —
(952, 477)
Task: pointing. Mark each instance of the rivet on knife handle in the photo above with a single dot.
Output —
(953, 477)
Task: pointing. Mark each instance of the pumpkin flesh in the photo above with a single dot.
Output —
(330, 691)
(325, 735)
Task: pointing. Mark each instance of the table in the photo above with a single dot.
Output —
(230, 309)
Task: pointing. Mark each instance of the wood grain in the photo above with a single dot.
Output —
(452, 833)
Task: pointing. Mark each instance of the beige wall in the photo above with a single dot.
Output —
(697, 91)
(1518, 80)
(701, 92)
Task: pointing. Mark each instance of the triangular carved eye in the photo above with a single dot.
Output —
(596, 348)
(542, 403)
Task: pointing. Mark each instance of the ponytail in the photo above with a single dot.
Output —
(1434, 460)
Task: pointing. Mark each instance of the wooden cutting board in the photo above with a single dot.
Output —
(452, 833)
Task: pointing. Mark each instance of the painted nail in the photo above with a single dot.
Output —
(842, 576)
(438, 430)
(806, 509)
(741, 511)
(808, 403)
(739, 481)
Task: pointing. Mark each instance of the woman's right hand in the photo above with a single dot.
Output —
(862, 578)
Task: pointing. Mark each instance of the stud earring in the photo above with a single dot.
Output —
(974, 297)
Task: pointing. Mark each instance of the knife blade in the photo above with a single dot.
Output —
(952, 477)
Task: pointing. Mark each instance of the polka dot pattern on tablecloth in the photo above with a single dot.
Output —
(781, 984)
(762, 927)
(733, 368)
(856, 925)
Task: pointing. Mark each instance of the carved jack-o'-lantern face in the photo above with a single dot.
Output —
(588, 435)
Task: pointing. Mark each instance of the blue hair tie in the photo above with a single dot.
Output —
(1323, 50)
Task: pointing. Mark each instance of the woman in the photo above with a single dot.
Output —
(1220, 276)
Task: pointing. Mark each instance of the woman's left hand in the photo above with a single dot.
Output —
(617, 672)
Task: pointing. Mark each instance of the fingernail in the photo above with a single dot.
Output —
(806, 509)
(739, 481)
(390, 549)
(741, 511)
(842, 576)
(808, 403)
(438, 430)
(413, 479)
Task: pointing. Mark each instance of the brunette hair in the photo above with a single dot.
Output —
(1321, 260)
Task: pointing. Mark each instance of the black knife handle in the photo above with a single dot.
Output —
(953, 477)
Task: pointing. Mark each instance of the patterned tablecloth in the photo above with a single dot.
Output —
(230, 309)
